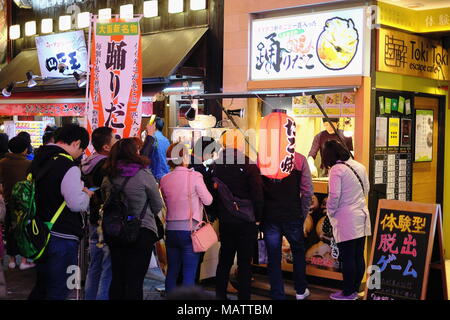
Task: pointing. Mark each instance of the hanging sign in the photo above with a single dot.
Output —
(68, 48)
(308, 45)
(115, 90)
(411, 55)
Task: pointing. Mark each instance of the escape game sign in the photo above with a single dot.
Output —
(411, 55)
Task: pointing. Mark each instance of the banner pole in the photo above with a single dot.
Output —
(88, 71)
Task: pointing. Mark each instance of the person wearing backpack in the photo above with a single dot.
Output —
(155, 148)
(286, 204)
(98, 277)
(184, 193)
(237, 236)
(133, 187)
(348, 213)
(58, 185)
(14, 168)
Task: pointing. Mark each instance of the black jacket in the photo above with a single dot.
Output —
(243, 178)
(49, 170)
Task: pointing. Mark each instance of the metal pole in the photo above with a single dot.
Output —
(331, 124)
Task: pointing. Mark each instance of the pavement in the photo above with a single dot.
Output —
(20, 283)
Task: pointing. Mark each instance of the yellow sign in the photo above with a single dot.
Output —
(394, 132)
(420, 21)
(411, 55)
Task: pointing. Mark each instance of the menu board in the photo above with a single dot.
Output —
(36, 130)
(336, 105)
(402, 247)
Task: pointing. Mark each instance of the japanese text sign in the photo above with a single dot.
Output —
(411, 55)
(401, 251)
(309, 45)
(115, 98)
(68, 48)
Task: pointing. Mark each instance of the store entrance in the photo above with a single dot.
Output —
(425, 173)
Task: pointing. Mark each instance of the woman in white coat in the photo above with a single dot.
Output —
(348, 214)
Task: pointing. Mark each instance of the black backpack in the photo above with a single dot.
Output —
(119, 226)
(94, 179)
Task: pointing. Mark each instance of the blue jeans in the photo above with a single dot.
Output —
(53, 273)
(180, 255)
(293, 231)
(99, 273)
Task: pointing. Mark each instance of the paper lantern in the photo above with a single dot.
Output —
(276, 145)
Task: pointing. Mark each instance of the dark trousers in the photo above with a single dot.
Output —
(351, 255)
(235, 239)
(273, 233)
(56, 271)
(129, 264)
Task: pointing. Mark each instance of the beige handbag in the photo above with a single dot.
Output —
(204, 236)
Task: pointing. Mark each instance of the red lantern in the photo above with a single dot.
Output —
(276, 145)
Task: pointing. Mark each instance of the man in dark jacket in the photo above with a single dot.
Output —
(59, 186)
(243, 178)
(286, 204)
(99, 275)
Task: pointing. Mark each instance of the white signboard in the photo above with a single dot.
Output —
(309, 45)
(68, 48)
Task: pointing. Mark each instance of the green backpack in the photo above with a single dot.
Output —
(31, 233)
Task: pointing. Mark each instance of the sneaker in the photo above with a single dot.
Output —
(25, 266)
(304, 295)
(340, 296)
(12, 265)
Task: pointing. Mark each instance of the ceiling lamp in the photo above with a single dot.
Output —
(30, 28)
(150, 9)
(198, 4)
(47, 25)
(65, 23)
(14, 32)
(104, 14)
(81, 79)
(83, 20)
(126, 11)
(176, 6)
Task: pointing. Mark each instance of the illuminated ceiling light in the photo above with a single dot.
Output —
(104, 14)
(176, 6)
(31, 82)
(14, 32)
(65, 23)
(7, 91)
(83, 20)
(24, 4)
(81, 79)
(46, 25)
(150, 9)
(126, 11)
(198, 4)
(30, 28)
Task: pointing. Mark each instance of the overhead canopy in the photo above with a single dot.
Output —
(164, 52)
(272, 93)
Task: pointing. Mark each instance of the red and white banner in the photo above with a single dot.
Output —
(43, 109)
(115, 88)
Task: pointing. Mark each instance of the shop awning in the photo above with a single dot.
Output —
(25, 61)
(164, 53)
(272, 93)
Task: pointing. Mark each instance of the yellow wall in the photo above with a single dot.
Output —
(404, 83)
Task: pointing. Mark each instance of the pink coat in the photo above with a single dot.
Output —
(174, 188)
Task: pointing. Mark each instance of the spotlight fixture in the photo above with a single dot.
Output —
(81, 79)
(61, 67)
(7, 91)
(190, 114)
(31, 82)
(237, 112)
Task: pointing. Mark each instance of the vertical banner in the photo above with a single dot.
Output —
(115, 89)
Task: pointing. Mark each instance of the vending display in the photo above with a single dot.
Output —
(36, 130)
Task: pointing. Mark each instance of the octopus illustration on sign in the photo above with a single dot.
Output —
(338, 43)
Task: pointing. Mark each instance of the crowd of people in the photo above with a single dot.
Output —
(158, 177)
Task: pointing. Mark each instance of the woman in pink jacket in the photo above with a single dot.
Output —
(184, 193)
